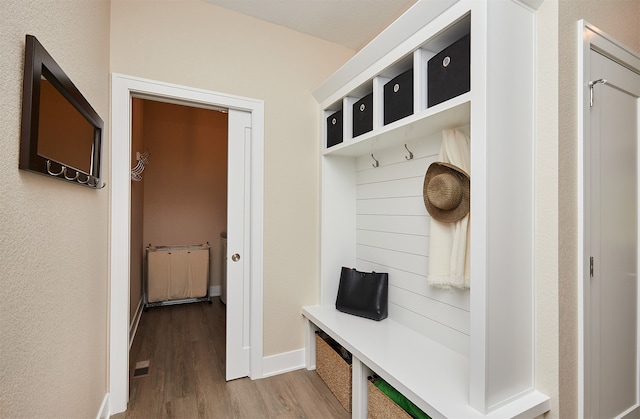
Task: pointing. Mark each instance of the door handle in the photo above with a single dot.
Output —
(235, 257)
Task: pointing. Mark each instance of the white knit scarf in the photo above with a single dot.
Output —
(449, 242)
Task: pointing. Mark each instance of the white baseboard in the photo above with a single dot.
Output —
(133, 328)
(104, 412)
(215, 291)
(281, 363)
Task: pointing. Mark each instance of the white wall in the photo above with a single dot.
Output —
(53, 235)
(193, 43)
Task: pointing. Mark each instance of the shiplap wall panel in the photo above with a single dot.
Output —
(395, 223)
(407, 243)
(390, 164)
(392, 235)
(442, 313)
(408, 205)
(439, 332)
(392, 188)
(417, 284)
(393, 259)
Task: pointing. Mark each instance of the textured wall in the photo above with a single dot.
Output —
(618, 18)
(546, 199)
(190, 42)
(53, 235)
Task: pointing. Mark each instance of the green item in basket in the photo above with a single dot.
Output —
(399, 399)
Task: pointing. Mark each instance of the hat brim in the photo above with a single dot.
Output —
(455, 214)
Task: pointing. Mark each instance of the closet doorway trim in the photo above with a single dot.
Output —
(123, 88)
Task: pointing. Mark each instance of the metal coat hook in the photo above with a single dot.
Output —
(62, 170)
(377, 163)
(75, 175)
(410, 156)
(591, 86)
(83, 182)
(143, 160)
(67, 177)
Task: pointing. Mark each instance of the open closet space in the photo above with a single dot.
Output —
(178, 221)
(178, 191)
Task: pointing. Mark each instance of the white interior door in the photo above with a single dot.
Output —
(238, 245)
(611, 335)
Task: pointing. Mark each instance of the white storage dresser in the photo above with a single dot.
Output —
(454, 353)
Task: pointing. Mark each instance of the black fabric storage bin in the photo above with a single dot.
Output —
(448, 72)
(363, 115)
(398, 97)
(334, 129)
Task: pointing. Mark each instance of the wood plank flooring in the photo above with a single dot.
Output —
(185, 345)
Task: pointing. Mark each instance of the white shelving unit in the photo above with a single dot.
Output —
(453, 353)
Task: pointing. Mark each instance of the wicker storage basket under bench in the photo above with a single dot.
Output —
(334, 371)
(382, 406)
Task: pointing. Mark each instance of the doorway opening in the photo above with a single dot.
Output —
(179, 197)
(245, 139)
(178, 206)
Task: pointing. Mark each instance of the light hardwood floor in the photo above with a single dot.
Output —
(185, 345)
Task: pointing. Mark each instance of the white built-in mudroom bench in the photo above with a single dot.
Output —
(455, 353)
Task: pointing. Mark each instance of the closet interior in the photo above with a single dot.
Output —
(178, 203)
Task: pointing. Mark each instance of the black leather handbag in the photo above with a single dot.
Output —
(364, 294)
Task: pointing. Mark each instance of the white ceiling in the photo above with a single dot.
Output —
(351, 23)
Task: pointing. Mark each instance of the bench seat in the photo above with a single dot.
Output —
(431, 375)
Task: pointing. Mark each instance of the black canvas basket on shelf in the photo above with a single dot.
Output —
(363, 115)
(449, 72)
(334, 129)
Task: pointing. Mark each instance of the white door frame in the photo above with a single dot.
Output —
(589, 38)
(123, 87)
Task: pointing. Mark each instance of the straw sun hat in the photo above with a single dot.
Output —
(446, 192)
